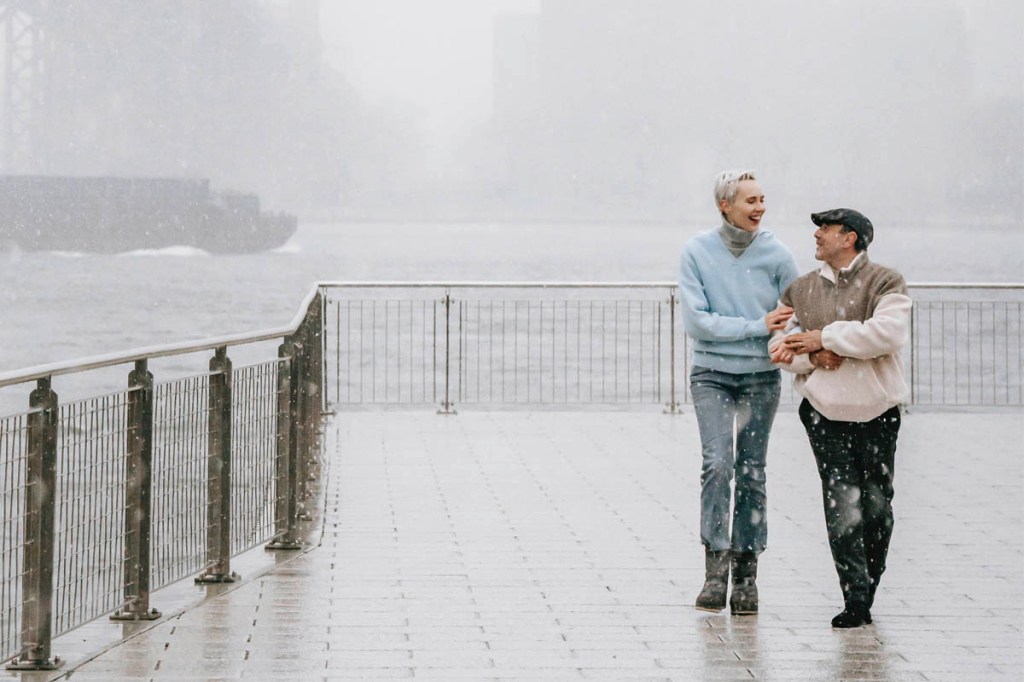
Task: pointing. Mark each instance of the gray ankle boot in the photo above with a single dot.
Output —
(744, 590)
(716, 581)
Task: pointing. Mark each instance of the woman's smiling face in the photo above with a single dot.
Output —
(747, 207)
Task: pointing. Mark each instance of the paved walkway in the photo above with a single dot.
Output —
(563, 546)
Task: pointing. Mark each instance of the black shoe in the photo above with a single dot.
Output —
(853, 616)
(743, 601)
(716, 583)
(712, 597)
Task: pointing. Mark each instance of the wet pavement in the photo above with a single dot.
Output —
(564, 546)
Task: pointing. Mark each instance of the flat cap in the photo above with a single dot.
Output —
(849, 218)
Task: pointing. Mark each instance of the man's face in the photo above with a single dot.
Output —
(830, 241)
(747, 207)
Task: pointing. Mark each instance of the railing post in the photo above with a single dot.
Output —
(322, 349)
(308, 382)
(40, 505)
(913, 356)
(673, 406)
(218, 466)
(321, 369)
(303, 413)
(314, 365)
(286, 461)
(138, 495)
(314, 389)
(446, 406)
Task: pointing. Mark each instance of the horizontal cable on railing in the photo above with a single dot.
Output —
(607, 285)
(495, 285)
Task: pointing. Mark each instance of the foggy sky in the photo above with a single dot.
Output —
(436, 55)
(553, 110)
(431, 52)
(431, 59)
(841, 98)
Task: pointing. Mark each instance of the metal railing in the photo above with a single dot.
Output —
(486, 343)
(105, 499)
(475, 343)
(965, 345)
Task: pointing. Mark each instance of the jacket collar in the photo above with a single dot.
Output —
(856, 264)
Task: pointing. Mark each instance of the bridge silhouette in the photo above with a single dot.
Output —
(128, 89)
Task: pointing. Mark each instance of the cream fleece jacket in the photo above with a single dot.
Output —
(863, 312)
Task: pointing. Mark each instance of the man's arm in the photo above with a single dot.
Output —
(883, 333)
(825, 359)
(807, 345)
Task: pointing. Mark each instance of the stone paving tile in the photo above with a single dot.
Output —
(564, 546)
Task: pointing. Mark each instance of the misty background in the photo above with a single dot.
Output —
(532, 110)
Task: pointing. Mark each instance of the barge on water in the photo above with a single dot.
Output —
(117, 214)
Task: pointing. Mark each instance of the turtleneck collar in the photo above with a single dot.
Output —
(735, 239)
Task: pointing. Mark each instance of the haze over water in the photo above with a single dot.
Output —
(62, 306)
(576, 139)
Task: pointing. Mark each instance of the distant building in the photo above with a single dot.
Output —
(627, 109)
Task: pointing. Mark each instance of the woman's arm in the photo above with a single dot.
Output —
(700, 321)
(785, 358)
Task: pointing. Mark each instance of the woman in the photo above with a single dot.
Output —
(730, 282)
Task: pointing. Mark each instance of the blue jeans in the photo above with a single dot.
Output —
(734, 414)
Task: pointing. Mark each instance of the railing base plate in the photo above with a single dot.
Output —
(218, 578)
(36, 665)
(127, 616)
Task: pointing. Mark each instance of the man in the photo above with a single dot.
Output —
(730, 282)
(843, 343)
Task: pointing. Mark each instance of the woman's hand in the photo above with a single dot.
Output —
(776, 319)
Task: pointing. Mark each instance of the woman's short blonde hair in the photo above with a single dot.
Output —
(728, 181)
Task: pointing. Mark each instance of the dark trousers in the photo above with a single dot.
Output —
(855, 463)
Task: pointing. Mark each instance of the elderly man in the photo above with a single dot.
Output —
(843, 343)
(730, 281)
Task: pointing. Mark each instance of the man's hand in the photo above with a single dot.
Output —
(776, 319)
(804, 342)
(825, 359)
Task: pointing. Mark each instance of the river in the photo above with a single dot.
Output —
(59, 306)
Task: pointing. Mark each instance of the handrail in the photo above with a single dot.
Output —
(608, 285)
(965, 285)
(27, 374)
(497, 285)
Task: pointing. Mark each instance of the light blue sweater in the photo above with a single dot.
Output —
(724, 299)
